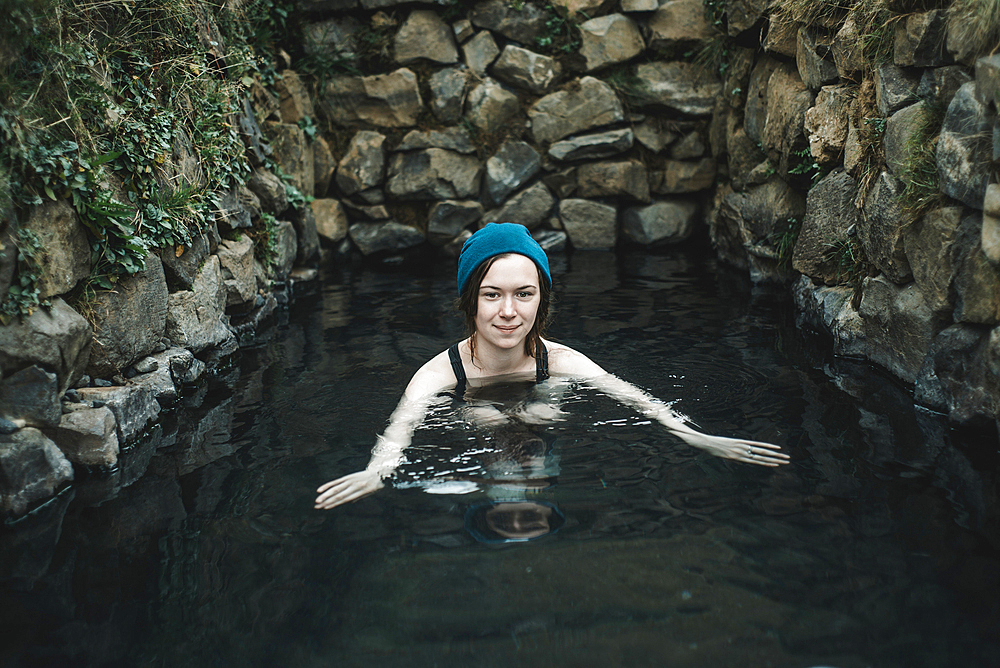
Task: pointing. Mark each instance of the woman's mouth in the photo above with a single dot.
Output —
(507, 329)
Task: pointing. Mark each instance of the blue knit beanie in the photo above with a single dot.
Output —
(497, 239)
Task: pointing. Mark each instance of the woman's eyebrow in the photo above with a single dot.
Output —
(530, 286)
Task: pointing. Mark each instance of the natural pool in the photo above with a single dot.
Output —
(879, 545)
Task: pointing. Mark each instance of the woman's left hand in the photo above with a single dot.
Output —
(349, 488)
(751, 452)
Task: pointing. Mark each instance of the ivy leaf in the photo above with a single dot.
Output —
(48, 191)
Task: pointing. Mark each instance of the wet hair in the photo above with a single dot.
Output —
(468, 304)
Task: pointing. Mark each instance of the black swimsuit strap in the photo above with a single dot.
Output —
(541, 363)
(541, 366)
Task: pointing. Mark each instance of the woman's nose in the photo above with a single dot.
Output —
(507, 307)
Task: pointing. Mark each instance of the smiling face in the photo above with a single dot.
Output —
(508, 301)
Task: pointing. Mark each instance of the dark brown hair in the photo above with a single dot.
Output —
(468, 304)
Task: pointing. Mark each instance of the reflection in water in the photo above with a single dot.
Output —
(877, 546)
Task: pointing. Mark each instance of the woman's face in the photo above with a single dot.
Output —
(508, 301)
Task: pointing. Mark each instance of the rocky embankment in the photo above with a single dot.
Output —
(592, 123)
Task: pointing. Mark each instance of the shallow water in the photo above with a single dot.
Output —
(877, 546)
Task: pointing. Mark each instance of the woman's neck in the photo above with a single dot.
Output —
(493, 361)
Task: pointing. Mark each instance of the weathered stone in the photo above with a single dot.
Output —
(32, 395)
(588, 8)
(57, 338)
(939, 84)
(361, 212)
(180, 270)
(424, 35)
(462, 29)
(331, 219)
(608, 40)
(447, 219)
(829, 310)
(847, 51)
(963, 150)
(639, 5)
(433, 174)
(755, 111)
(514, 164)
(664, 222)
(782, 36)
(956, 376)
(65, 253)
(250, 203)
(236, 260)
(684, 177)
(184, 367)
(453, 139)
(524, 23)
(898, 138)
(745, 19)
(337, 36)
(988, 80)
(827, 122)
(159, 380)
(264, 102)
(258, 150)
(271, 192)
(387, 100)
(895, 88)
(295, 104)
(88, 437)
(625, 177)
(744, 157)
(590, 225)
(527, 70)
(286, 247)
(688, 147)
(128, 321)
(814, 59)
(134, 406)
(448, 93)
(684, 87)
(195, 317)
(32, 469)
(480, 52)
(853, 152)
(933, 250)
(788, 99)
(898, 326)
(186, 164)
(677, 26)
(491, 107)
(990, 233)
(594, 146)
(652, 134)
(977, 283)
(324, 166)
(881, 229)
(919, 40)
(830, 218)
(585, 104)
(530, 207)
(293, 153)
(230, 213)
(363, 164)
(385, 237)
(306, 235)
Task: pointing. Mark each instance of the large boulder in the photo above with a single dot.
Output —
(881, 228)
(363, 164)
(480, 52)
(660, 223)
(677, 26)
(88, 437)
(181, 264)
(829, 220)
(32, 469)
(521, 22)
(900, 128)
(134, 406)
(919, 40)
(195, 317)
(31, 395)
(827, 122)
(386, 100)
(448, 93)
(584, 104)
(514, 164)
(306, 235)
(384, 237)
(324, 166)
(432, 174)
(129, 321)
(527, 70)
(236, 260)
(613, 178)
(990, 233)
(65, 253)
(828, 310)
(331, 219)
(960, 374)
(895, 88)
(335, 36)
(294, 102)
(270, 191)
(963, 150)
(684, 176)
(934, 249)
(449, 218)
(294, 154)
(814, 59)
(530, 207)
(491, 107)
(609, 40)
(425, 36)
(58, 339)
(788, 100)
(680, 86)
(977, 282)
(590, 225)
(755, 110)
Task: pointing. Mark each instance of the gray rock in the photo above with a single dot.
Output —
(623, 177)
(8, 251)
(523, 24)
(956, 376)
(32, 396)
(688, 147)
(514, 164)
(963, 150)
(129, 320)
(895, 88)
(919, 40)
(612, 39)
(788, 99)
(335, 36)
(678, 25)
(480, 52)
(8, 426)
(363, 164)
(386, 100)
(65, 252)
(827, 122)
(453, 139)
(848, 53)
(933, 247)
(828, 310)
(530, 207)
(990, 233)
(881, 229)
(433, 174)
(562, 183)
(180, 270)
(306, 235)
(145, 365)
(755, 111)
(88, 437)
(977, 282)
(585, 104)
(527, 70)
(492, 108)
(448, 93)
(362, 212)
(447, 219)
(271, 192)
(639, 5)
(593, 146)
(988, 80)
(664, 222)
(134, 407)
(747, 163)
(898, 138)
(814, 59)
(782, 36)
(386, 237)
(258, 150)
(324, 165)
(32, 469)
(195, 317)
(186, 165)
(424, 35)
(231, 213)
(462, 30)
(57, 338)
(684, 177)
(294, 102)
(590, 225)
(898, 325)
(830, 218)
(293, 153)
(236, 260)
(331, 219)
(939, 84)
(680, 86)
(286, 248)
(551, 241)
(183, 366)
(652, 134)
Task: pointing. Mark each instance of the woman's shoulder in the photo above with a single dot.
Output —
(566, 361)
(435, 375)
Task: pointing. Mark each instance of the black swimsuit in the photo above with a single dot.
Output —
(541, 367)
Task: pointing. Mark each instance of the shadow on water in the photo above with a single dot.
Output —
(877, 546)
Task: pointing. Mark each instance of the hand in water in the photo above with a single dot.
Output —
(349, 488)
(752, 452)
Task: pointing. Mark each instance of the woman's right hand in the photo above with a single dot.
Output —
(349, 488)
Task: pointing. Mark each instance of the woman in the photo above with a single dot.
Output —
(504, 286)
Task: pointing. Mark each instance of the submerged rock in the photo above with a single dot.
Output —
(32, 469)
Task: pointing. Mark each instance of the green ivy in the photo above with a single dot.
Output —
(22, 295)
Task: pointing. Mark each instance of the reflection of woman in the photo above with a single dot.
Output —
(504, 286)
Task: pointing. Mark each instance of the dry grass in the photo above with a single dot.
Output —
(977, 23)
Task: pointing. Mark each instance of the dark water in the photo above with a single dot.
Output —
(878, 546)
